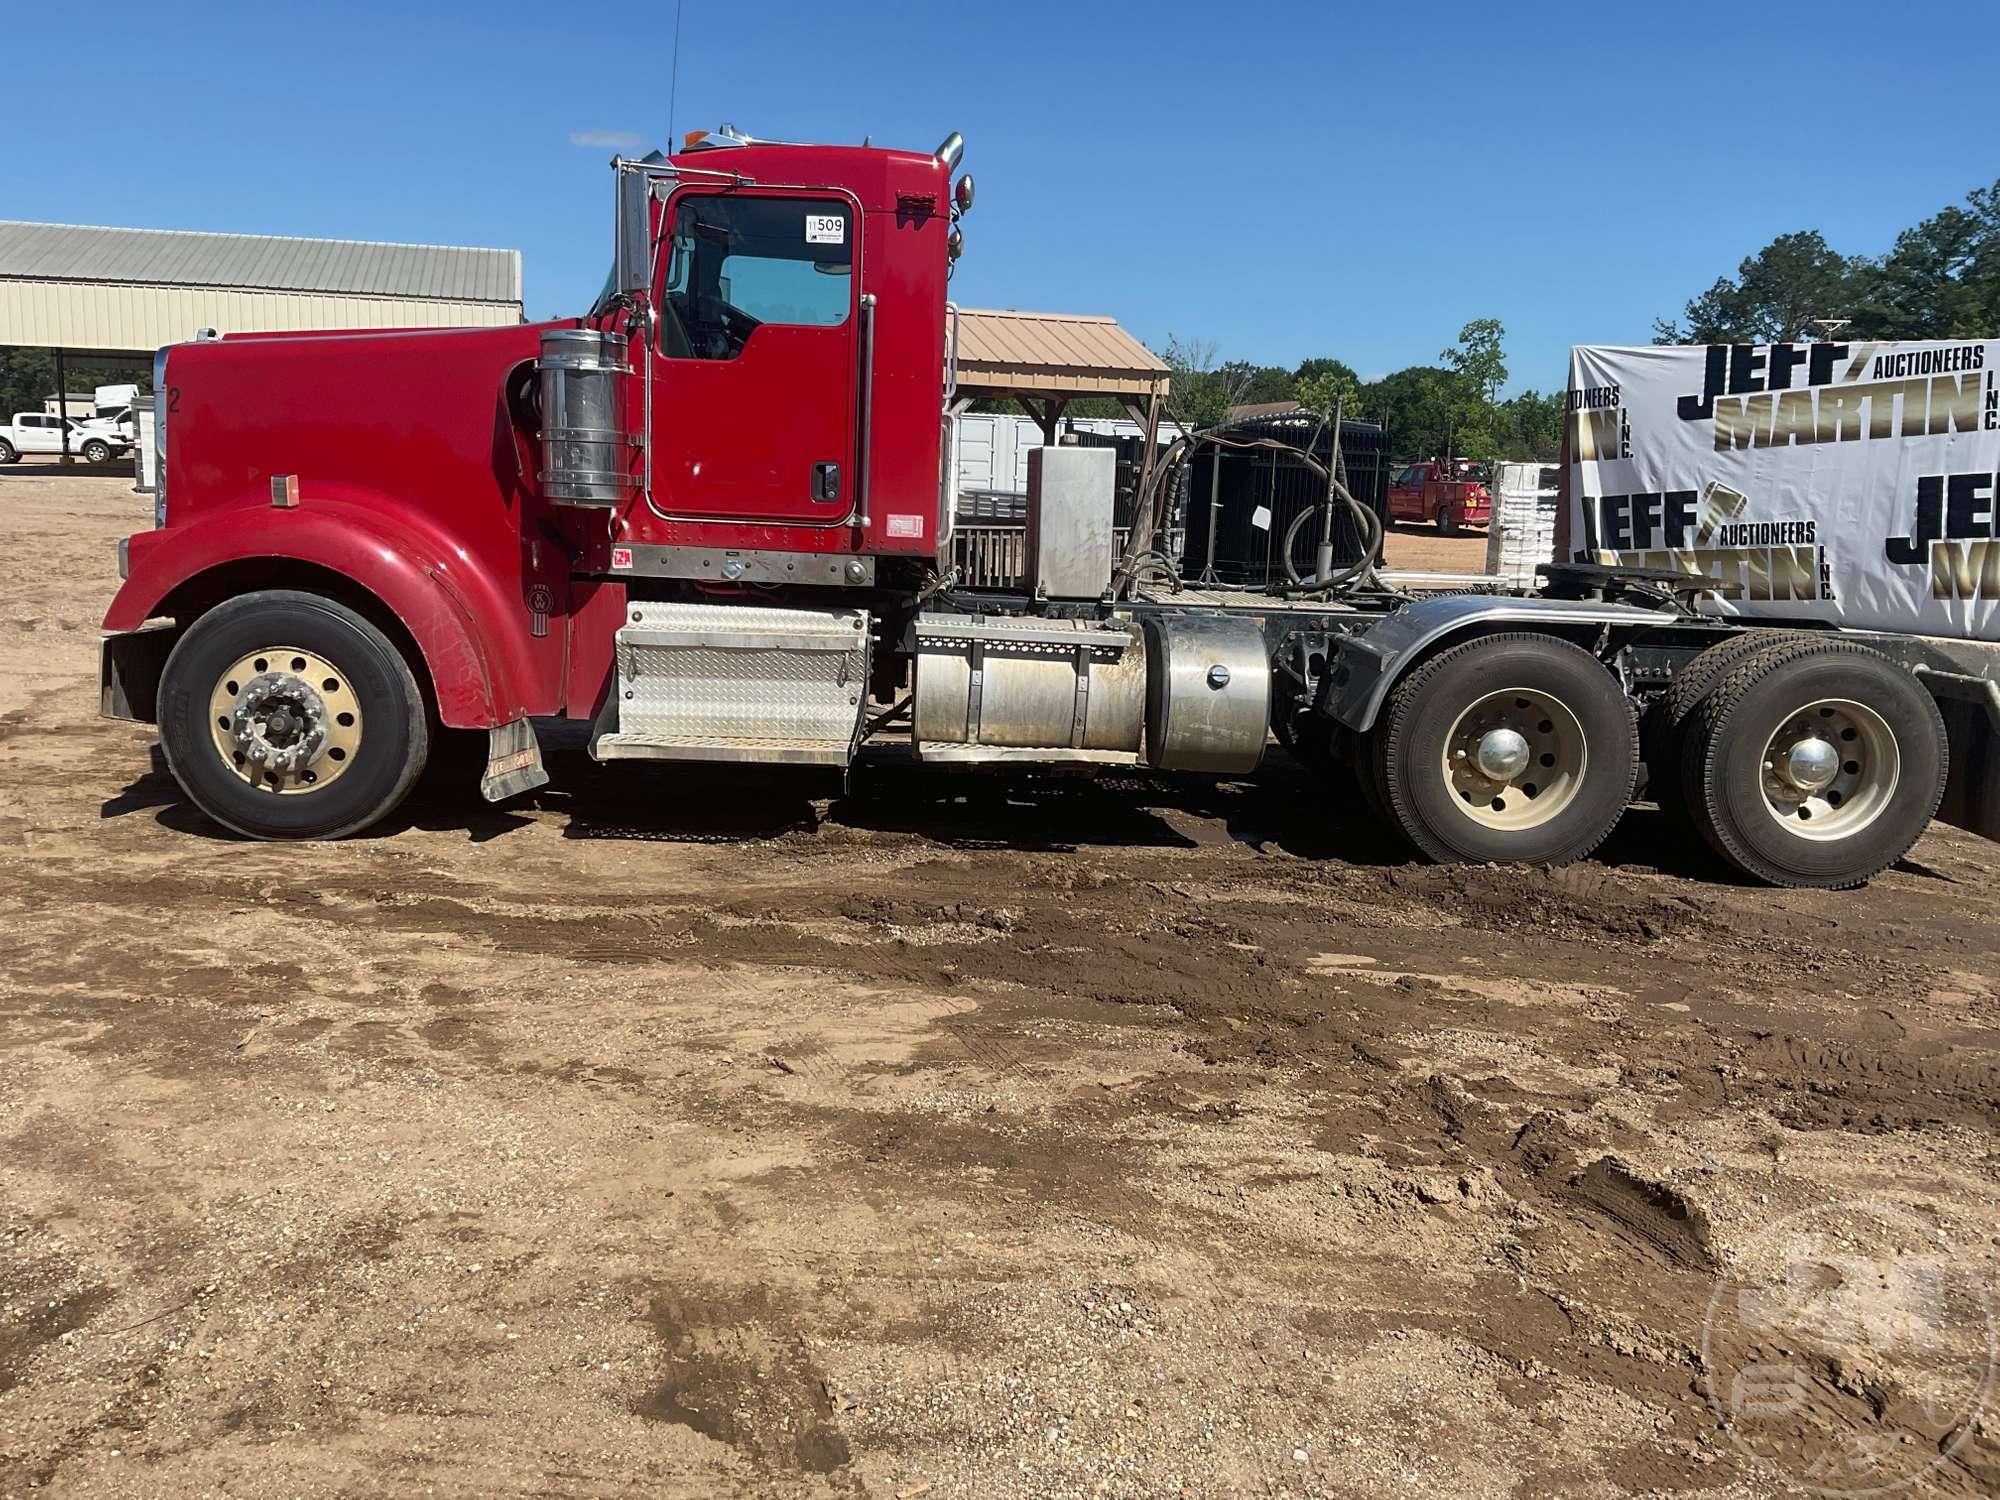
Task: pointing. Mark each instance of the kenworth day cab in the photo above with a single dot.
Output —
(712, 517)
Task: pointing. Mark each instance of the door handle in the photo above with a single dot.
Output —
(826, 482)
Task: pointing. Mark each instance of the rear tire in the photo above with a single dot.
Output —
(8, 454)
(1664, 730)
(1458, 717)
(234, 697)
(1769, 722)
(1447, 522)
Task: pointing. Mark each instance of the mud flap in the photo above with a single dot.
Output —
(513, 762)
(128, 672)
(1972, 779)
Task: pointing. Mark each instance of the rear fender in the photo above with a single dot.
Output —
(470, 627)
(1369, 664)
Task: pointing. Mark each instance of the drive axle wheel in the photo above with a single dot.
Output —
(288, 716)
(97, 451)
(1515, 758)
(1664, 728)
(1536, 771)
(1815, 763)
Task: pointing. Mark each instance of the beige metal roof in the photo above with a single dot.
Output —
(71, 286)
(257, 262)
(107, 316)
(1060, 354)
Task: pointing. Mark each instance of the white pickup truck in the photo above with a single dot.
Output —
(94, 441)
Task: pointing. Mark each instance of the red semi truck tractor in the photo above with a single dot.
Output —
(711, 517)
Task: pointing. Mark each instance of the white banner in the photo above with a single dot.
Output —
(1853, 483)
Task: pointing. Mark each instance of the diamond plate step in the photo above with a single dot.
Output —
(772, 752)
(727, 682)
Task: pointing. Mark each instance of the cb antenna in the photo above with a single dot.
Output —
(674, 76)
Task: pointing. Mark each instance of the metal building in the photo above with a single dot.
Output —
(73, 287)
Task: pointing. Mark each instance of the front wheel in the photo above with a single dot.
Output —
(285, 715)
(97, 451)
(1518, 748)
(1815, 763)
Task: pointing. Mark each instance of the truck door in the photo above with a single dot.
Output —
(756, 366)
(1400, 495)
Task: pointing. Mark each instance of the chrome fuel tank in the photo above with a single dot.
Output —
(1011, 688)
(1208, 693)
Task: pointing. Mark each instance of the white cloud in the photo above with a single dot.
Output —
(607, 140)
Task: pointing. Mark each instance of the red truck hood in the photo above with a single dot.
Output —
(419, 414)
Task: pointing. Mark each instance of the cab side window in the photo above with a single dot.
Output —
(736, 263)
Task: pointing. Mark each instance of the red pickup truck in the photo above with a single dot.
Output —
(1453, 494)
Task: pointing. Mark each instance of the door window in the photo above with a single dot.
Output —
(737, 263)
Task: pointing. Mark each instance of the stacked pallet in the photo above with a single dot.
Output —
(1522, 535)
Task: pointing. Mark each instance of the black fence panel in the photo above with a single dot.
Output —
(1226, 503)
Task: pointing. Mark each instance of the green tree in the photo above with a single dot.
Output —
(1478, 359)
(1418, 409)
(1256, 383)
(1530, 427)
(1941, 279)
(28, 376)
(1775, 295)
(1318, 383)
(1202, 391)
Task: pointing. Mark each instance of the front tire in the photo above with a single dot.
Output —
(97, 451)
(285, 715)
(1815, 763)
(1517, 748)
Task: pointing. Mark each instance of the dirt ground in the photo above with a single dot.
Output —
(692, 1135)
(1424, 549)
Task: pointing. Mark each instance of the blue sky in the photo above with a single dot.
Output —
(1283, 180)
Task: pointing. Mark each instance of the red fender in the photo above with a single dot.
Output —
(472, 627)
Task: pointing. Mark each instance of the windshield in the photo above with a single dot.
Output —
(610, 286)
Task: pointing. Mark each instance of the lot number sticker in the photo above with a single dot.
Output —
(826, 229)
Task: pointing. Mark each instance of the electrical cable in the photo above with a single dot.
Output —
(1359, 577)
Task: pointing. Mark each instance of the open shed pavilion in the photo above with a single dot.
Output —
(1043, 361)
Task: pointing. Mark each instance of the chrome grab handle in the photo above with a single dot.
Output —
(951, 355)
(867, 408)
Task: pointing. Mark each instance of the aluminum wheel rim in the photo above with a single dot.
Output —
(1870, 766)
(285, 721)
(1556, 759)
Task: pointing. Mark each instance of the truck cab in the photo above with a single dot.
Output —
(1445, 493)
(750, 419)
